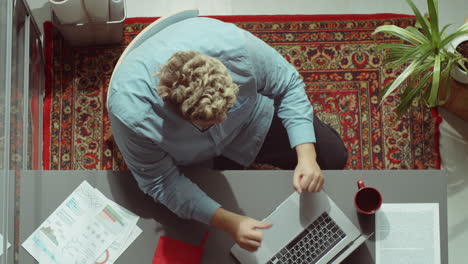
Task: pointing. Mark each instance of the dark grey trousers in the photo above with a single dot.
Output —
(276, 150)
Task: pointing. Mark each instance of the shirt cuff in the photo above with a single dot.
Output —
(205, 209)
(303, 133)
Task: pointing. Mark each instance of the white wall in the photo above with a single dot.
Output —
(451, 11)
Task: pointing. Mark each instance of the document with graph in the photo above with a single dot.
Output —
(81, 229)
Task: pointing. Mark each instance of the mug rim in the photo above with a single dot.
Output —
(373, 210)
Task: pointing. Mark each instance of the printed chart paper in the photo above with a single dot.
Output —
(119, 246)
(408, 233)
(81, 229)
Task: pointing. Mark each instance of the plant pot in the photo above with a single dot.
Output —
(457, 103)
(457, 73)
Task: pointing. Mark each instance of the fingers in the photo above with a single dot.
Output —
(253, 239)
(313, 185)
(320, 185)
(306, 180)
(255, 235)
(308, 176)
(263, 225)
(316, 184)
(296, 182)
(250, 245)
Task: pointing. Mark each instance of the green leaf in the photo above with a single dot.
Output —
(445, 79)
(422, 49)
(407, 72)
(409, 88)
(398, 53)
(447, 91)
(421, 73)
(443, 30)
(425, 67)
(395, 51)
(399, 33)
(434, 97)
(428, 57)
(384, 91)
(460, 31)
(406, 101)
(422, 21)
(436, 5)
(434, 21)
(461, 64)
(417, 33)
(393, 46)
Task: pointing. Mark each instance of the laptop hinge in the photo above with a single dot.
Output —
(350, 248)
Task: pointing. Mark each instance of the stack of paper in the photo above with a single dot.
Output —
(408, 233)
(86, 228)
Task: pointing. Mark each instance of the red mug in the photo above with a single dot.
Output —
(367, 199)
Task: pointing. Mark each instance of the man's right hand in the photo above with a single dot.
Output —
(247, 234)
(243, 229)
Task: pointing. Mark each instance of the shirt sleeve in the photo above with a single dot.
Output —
(280, 81)
(158, 176)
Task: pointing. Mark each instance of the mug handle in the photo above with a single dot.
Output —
(360, 184)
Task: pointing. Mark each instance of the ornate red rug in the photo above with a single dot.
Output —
(335, 54)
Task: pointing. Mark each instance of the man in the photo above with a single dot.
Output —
(216, 90)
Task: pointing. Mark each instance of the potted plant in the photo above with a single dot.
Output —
(434, 61)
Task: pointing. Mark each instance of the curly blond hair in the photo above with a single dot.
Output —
(197, 86)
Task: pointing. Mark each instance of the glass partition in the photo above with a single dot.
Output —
(35, 94)
(6, 182)
(18, 82)
(21, 94)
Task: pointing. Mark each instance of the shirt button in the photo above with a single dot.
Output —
(142, 169)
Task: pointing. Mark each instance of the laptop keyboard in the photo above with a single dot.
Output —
(312, 244)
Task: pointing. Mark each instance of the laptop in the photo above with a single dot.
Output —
(307, 228)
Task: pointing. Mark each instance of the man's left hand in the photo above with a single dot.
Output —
(307, 176)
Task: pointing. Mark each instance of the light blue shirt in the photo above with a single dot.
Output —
(154, 141)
